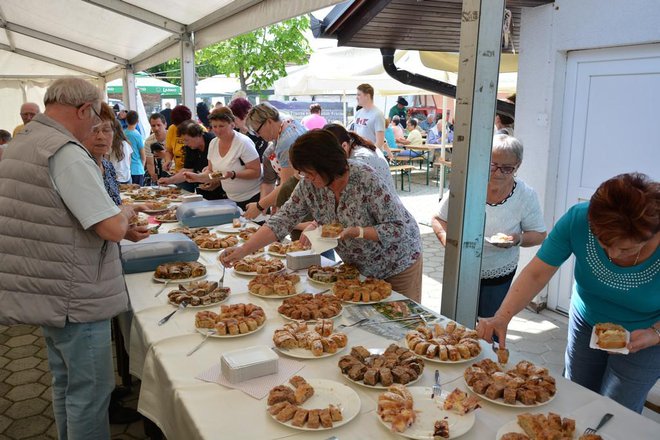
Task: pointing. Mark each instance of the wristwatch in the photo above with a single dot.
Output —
(260, 208)
(233, 175)
(657, 332)
(361, 232)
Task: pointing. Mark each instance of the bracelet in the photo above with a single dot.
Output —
(361, 232)
(260, 208)
(657, 332)
(233, 176)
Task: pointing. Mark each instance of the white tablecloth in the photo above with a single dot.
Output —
(188, 408)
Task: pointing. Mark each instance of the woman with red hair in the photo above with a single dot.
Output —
(614, 238)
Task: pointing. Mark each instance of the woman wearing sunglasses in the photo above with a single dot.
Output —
(512, 209)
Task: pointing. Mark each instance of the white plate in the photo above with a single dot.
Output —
(320, 283)
(488, 240)
(329, 392)
(365, 302)
(254, 274)
(428, 412)
(312, 320)
(513, 426)
(179, 280)
(228, 228)
(593, 343)
(166, 221)
(299, 290)
(437, 360)
(203, 306)
(518, 404)
(155, 211)
(303, 353)
(275, 254)
(204, 331)
(379, 386)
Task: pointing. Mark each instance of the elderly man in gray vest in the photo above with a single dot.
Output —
(59, 254)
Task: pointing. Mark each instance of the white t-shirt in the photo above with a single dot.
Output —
(520, 212)
(368, 122)
(123, 167)
(242, 148)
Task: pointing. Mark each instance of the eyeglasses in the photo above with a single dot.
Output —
(95, 112)
(106, 131)
(506, 169)
(256, 132)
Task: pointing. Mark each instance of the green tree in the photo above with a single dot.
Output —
(257, 58)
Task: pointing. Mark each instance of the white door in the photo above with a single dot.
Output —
(611, 125)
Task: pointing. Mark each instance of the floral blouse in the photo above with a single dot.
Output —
(366, 201)
(110, 181)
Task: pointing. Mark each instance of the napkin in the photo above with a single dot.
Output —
(259, 386)
(320, 244)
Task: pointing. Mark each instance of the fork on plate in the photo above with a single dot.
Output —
(221, 281)
(182, 306)
(343, 326)
(437, 389)
(606, 418)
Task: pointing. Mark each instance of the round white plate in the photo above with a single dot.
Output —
(516, 405)
(303, 353)
(379, 386)
(312, 320)
(437, 360)
(299, 290)
(166, 221)
(320, 283)
(513, 426)
(275, 254)
(202, 306)
(155, 211)
(179, 280)
(204, 331)
(329, 392)
(254, 274)
(365, 302)
(228, 228)
(428, 412)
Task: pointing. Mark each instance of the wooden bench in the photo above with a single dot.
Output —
(402, 169)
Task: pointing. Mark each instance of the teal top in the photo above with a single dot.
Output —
(603, 291)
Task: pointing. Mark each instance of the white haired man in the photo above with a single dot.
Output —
(28, 111)
(60, 255)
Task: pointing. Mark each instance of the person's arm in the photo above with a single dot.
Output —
(176, 178)
(264, 236)
(439, 227)
(114, 228)
(253, 211)
(528, 284)
(143, 156)
(151, 168)
(252, 170)
(644, 338)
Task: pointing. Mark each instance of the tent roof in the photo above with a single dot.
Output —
(100, 37)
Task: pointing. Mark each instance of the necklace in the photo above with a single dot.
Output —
(636, 258)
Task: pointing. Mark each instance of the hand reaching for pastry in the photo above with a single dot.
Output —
(303, 238)
(495, 326)
(136, 233)
(231, 255)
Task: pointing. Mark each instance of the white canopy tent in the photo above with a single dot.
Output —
(338, 71)
(107, 39)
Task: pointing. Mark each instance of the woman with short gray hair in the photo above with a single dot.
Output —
(513, 219)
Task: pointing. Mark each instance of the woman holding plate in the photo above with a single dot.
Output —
(380, 237)
(232, 160)
(614, 238)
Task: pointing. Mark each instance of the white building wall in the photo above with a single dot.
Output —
(548, 33)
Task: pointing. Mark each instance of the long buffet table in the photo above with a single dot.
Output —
(188, 408)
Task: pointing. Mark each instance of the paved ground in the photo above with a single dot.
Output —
(25, 402)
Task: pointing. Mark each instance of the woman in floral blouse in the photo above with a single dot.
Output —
(380, 237)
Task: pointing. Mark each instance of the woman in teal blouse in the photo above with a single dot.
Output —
(614, 239)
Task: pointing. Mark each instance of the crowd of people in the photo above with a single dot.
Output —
(59, 178)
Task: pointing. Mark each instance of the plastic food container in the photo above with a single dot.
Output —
(248, 363)
(146, 255)
(302, 260)
(207, 213)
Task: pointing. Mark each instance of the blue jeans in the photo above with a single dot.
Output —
(625, 379)
(80, 360)
(491, 296)
(138, 178)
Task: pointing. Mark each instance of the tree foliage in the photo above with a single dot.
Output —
(257, 58)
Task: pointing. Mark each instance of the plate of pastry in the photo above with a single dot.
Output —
(331, 231)
(215, 243)
(235, 227)
(450, 344)
(527, 426)
(310, 307)
(368, 291)
(377, 368)
(181, 272)
(328, 275)
(252, 266)
(280, 250)
(523, 386)
(412, 413)
(275, 286)
(313, 404)
(499, 238)
(199, 294)
(233, 321)
(609, 337)
(300, 340)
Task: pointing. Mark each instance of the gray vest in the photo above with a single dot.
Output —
(51, 269)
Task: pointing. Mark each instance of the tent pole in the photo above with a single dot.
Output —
(129, 91)
(188, 72)
(476, 98)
